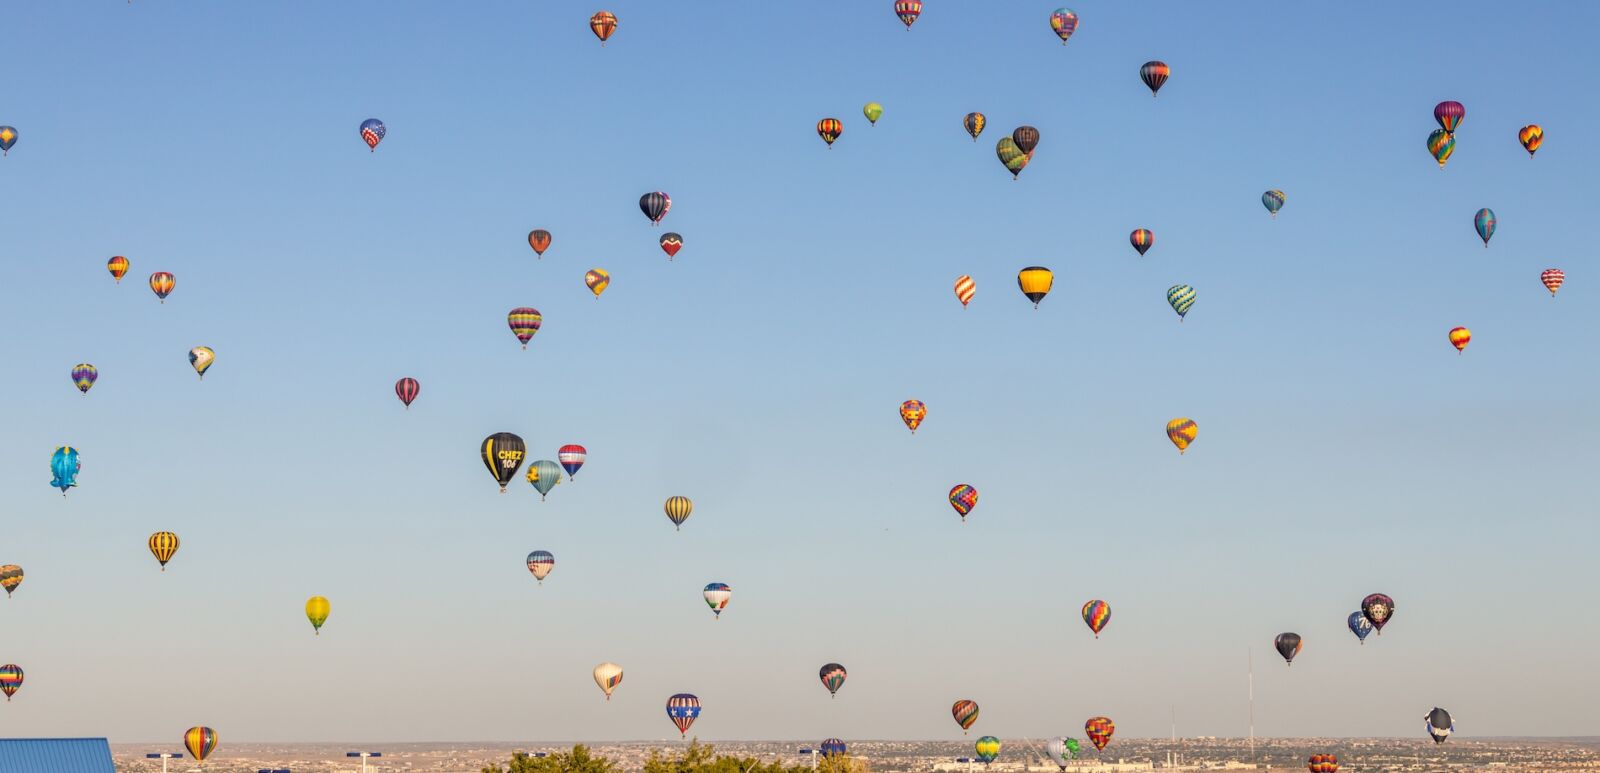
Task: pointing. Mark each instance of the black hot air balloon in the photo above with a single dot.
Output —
(1288, 645)
(1378, 608)
(654, 205)
(1026, 137)
(502, 453)
(1440, 725)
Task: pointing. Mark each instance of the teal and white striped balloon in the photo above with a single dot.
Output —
(1180, 297)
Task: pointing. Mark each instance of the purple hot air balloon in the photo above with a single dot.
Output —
(1449, 115)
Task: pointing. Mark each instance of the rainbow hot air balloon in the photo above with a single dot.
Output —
(597, 280)
(1323, 763)
(602, 24)
(407, 390)
(655, 206)
(965, 289)
(64, 467)
(1459, 338)
(1484, 221)
(1358, 625)
(544, 475)
(572, 458)
(1531, 137)
(1377, 608)
(1099, 730)
(908, 11)
(163, 545)
(1011, 156)
(1552, 278)
(670, 244)
(1273, 201)
(1064, 22)
(717, 595)
(832, 676)
(1449, 115)
(1154, 74)
(987, 748)
(608, 676)
(1441, 144)
(1096, 614)
(161, 283)
(1142, 240)
(912, 412)
(1180, 298)
(965, 713)
(502, 453)
(201, 742)
(317, 609)
(963, 498)
(372, 132)
(1182, 432)
(539, 240)
(1288, 645)
(83, 376)
(683, 709)
(10, 680)
(873, 111)
(1035, 283)
(974, 123)
(524, 321)
(540, 562)
(678, 510)
(10, 578)
(8, 138)
(829, 130)
(200, 358)
(118, 266)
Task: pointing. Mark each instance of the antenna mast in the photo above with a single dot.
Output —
(1251, 664)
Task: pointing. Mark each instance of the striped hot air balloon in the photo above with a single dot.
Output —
(10, 578)
(597, 280)
(1182, 432)
(832, 676)
(1096, 614)
(407, 390)
(539, 240)
(1531, 137)
(717, 596)
(912, 412)
(965, 713)
(201, 742)
(1459, 338)
(540, 562)
(1441, 144)
(118, 266)
(1323, 763)
(1552, 278)
(163, 544)
(603, 24)
(161, 283)
(524, 321)
(908, 11)
(544, 475)
(1180, 298)
(1142, 240)
(10, 679)
(683, 709)
(655, 205)
(974, 123)
(84, 375)
(965, 289)
(1154, 74)
(829, 130)
(608, 676)
(670, 243)
(678, 510)
(1099, 730)
(1449, 114)
(572, 458)
(963, 498)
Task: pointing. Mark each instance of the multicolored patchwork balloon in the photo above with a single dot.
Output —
(1064, 22)
(1099, 730)
(829, 130)
(1182, 432)
(597, 280)
(1449, 115)
(118, 266)
(1142, 240)
(965, 713)
(1441, 144)
(963, 498)
(201, 742)
(10, 679)
(832, 676)
(1096, 614)
(908, 11)
(912, 412)
(524, 321)
(602, 24)
(161, 283)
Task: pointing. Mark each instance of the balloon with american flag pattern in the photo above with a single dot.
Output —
(572, 457)
(372, 133)
(683, 709)
(965, 289)
(1553, 278)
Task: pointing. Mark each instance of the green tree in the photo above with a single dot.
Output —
(579, 760)
(702, 758)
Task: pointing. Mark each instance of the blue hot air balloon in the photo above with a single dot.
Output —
(372, 133)
(683, 709)
(1359, 625)
(64, 465)
(831, 747)
(1484, 221)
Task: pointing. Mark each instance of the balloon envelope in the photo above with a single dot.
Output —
(372, 133)
(987, 748)
(502, 454)
(832, 676)
(717, 595)
(1288, 645)
(163, 545)
(965, 713)
(1378, 608)
(200, 741)
(544, 475)
(608, 676)
(1358, 625)
(540, 562)
(317, 609)
(683, 709)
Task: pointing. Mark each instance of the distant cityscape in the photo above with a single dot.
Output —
(1511, 755)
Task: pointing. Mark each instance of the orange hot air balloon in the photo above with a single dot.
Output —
(965, 288)
(829, 130)
(1531, 137)
(912, 412)
(1182, 432)
(117, 266)
(1459, 338)
(539, 240)
(603, 23)
(161, 283)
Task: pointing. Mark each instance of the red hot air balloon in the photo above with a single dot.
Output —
(407, 390)
(1154, 74)
(539, 240)
(1099, 730)
(671, 242)
(1553, 278)
(908, 11)
(1323, 763)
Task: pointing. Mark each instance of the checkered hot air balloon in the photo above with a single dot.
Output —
(572, 458)
(1096, 614)
(372, 133)
(1099, 730)
(683, 709)
(965, 713)
(912, 412)
(540, 562)
(1552, 278)
(963, 498)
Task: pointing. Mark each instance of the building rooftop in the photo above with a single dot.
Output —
(55, 755)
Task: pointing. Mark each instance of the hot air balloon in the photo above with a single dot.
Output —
(603, 23)
(1484, 221)
(1026, 138)
(908, 11)
(988, 748)
(84, 375)
(1439, 724)
(407, 390)
(1011, 156)
(1459, 338)
(64, 466)
(161, 283)
(1064, 22)
(1441, 144)
(1182, 432)
(163, 544)
(572, 458)
(1180, 298)
(200, 358)
(1142, 240)
(544, 475)
(1552, 279)
(831, 747)
(201, 742)
(1154, 74)
(524, 322)
(1377, 608)
(1358, 625)
(10, 578)
(682, 709)
(1323, 763)
(670, 244)
(1531, 137)
(832, 676)
(1061, 750)
(963, 498)
(8, 137)
(1273, 201)
(912, 412)
(1288, 645)
(974, 123)
(540, 562)
(1096, 614)
(317, 609)
(717, 595)
(655, 206)
(965, 713)
(597, 280)
(608, 676)
(965, 289)
(873, 111)
(1449, 115)
(678, 510)
(10, 679)
(117, 266)
(829, 130)
(1035, 282)
(372, 131)
(1099, 730)
(502, 453)
(539, 240)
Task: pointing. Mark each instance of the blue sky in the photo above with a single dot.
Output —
(1344, 448)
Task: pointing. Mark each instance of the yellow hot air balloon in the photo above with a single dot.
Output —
(1182, 432)
(598, 279)
(317, 609)
(608, 676)
(162, 545)
(201, 358)
(1036, 282)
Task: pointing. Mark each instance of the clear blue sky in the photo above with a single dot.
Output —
(1344, 447)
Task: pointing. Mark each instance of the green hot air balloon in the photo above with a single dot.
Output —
(1011, 155)
(502, 453)
(988, 748)
(1180, 298)
(544, 475)
(873, 111)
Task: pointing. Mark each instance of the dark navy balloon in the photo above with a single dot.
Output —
(372, 132)
(831, 747)
(1359, 626)
(654, 205)
(1440, 725)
